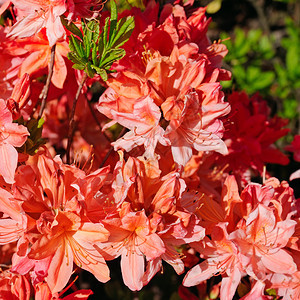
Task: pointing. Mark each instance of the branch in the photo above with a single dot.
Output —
(71, 118)
(45, 90)
(258, 6)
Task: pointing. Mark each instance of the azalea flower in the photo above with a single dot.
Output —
(222, 257)
(262, 241)
(45, 195)
(36, 54)
(37, 15)
(148, 223)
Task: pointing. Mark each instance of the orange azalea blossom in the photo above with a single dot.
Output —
(262, 241)
(36, 54)
(148, 223)
(14, 222)
(57, 232)
(19, 96)
(191, 107)
(261, 225)
(9, 66)
(35, 15)
(223, 257)
(82, 8)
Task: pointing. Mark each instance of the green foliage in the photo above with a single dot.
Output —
(257, 66)
(246, 55)
(288, 73)
(35, 140)
(95, 52)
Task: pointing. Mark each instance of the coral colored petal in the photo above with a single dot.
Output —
(174, 261)
(17, 134)
(230, 284)
(59, 71)
(132, 265)
(92, 261)
(153, 266)
(34, 62)
(8, 162)
(295, 175)
(4, 7)
(10, 231)
(257, 292)
(199, 273)
(152, 246)
(60, 268)
(55, 29)
(92, 233)
(5, 114)
(279, 262)
(181, 154)
(28, 26)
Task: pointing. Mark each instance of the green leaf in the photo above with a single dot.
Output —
(71, 27)
(87, 46)
(101, 72)
(75, 59)
(41, 122)
(111, 56)
(103, 38)
(254, 36)
(241, 44)
(78, 66)
(292, 59)
(76, 45)
(89, 70)
(113, 18)
(214, 6)
(83, 26)
(124, 32)
(264, 80)
(92, 31)
(97, 52)
(35, 140)
(252, 73)
(94, 53)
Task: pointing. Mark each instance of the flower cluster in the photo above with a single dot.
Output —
(161, 160)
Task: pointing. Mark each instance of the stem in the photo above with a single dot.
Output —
(258, 6)
(5, 266)
(71, 118)
(45, 90)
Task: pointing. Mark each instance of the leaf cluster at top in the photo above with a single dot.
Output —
(95, 52)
